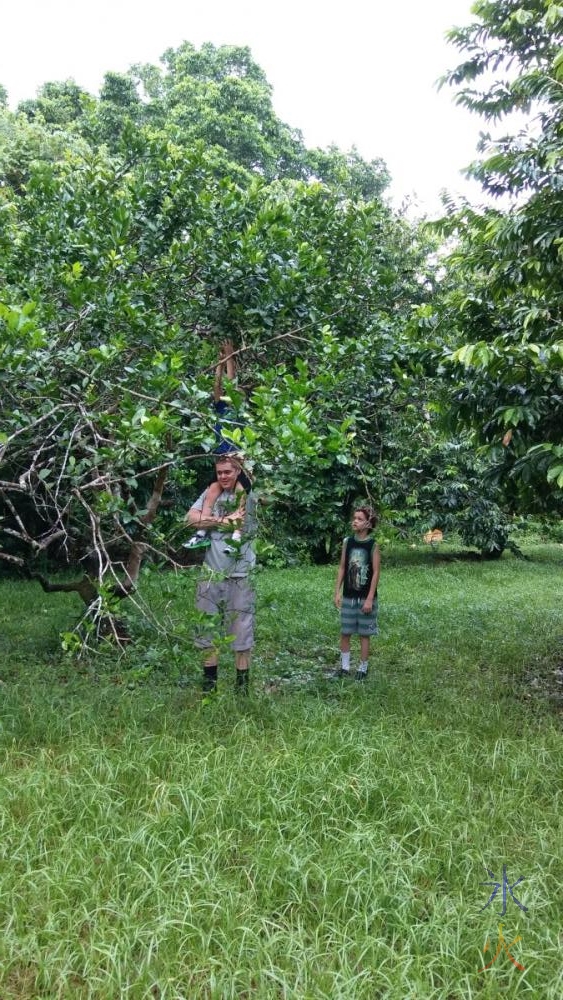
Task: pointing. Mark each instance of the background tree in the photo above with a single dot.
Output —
(24, 143)
(118, 286)
(349, 172)
(61, 105)
(499, 317)
(217, 96)
(133, 246)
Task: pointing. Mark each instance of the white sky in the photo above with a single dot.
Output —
(361, 72)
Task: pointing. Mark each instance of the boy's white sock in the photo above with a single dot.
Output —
(345, 661)
(363, 667)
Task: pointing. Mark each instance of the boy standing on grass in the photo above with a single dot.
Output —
(358, 576)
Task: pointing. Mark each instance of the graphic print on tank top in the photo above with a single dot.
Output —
(359, 569)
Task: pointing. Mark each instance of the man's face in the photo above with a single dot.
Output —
(226, 475)
(359, 521)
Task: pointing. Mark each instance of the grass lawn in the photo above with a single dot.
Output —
(320, 839)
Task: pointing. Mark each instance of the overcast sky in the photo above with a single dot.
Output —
(360, 72)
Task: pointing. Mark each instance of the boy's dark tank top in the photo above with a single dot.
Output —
(358, 567)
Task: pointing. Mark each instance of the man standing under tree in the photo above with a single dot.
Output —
(225, 590)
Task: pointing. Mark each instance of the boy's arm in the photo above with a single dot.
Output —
(219, 372)
(375, 565)
(201, 516)
(236, 517)
(211, 494)
(230, 363)
(340, 577)
(241, 509)
(225, 366)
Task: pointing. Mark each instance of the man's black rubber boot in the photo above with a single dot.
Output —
(241, 683)
(209, 683)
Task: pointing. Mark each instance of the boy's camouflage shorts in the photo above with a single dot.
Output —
(353, 621)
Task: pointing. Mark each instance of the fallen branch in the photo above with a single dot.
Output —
(84, 586)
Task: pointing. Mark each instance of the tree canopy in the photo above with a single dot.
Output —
(125, 265)
(142, 228)
(218, 96)
(498, 320)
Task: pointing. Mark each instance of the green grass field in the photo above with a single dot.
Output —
(320, 839)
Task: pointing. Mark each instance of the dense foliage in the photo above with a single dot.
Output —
(216, 96)
(498, 321)
(124, 268)
(142, 228)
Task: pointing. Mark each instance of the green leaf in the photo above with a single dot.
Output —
(555, 472)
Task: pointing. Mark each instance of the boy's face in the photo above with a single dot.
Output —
(360, 522)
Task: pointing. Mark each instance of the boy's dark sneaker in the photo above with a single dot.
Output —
(361, 675)
(339, 673)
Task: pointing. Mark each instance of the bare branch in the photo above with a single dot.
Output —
(34, 423)
(156, 495)
(138, 549)
(66, 457)
(11, 487)
(15, 560)
(84, 586)
(23, 532)
(123, 588)
(100, 550)
(53, 536)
